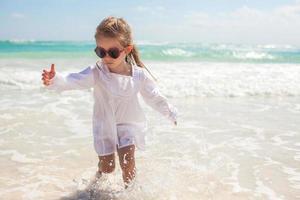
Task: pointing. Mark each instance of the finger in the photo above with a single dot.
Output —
(52, 69)
(46, 78)
(51, 75)
(46, 73)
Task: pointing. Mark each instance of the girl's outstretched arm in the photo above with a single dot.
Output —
(152, 96)
(81, 80)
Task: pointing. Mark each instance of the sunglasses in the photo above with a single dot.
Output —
(113, 52)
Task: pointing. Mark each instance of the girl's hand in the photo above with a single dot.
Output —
(47, 75)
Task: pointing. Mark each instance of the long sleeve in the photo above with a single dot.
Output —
(73, 81)
(152, 96)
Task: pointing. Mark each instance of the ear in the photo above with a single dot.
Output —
(128, 49)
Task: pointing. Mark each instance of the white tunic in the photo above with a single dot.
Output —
(116, 102)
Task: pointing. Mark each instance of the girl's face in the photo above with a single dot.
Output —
(108, 43)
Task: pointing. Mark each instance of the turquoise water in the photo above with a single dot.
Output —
(238, 124)
(156, 51)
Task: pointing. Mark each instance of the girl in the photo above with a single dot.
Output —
(119, 124)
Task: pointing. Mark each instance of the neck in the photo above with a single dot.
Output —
(123, 68)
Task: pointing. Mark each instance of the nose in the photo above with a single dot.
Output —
(107, 59)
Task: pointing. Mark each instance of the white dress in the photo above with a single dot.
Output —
(117, 111)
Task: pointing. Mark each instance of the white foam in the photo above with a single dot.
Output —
(265, 190)
(6, 116)
(21, 41)
(252, 55)
(234, 179)
(18, 157)
(183, 79)
(151, 43)
(293, 176)
(177, 52)
(228, 80)
(278, 141)
(297, 157)
(262, 190)
(19, 79)
(217, 139)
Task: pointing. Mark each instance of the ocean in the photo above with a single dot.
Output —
(238, 133)
(156, 51)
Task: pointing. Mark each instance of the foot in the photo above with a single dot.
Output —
(98, 175)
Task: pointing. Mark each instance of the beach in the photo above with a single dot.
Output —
(238, 132)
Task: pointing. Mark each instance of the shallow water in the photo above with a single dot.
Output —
(240, 146)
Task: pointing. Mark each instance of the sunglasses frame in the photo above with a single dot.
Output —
(108, 52)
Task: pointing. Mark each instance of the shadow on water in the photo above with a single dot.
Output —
(93, 191)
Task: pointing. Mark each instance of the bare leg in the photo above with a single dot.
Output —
(127, 163)
(106, 164)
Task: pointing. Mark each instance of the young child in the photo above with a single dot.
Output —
(119, 124)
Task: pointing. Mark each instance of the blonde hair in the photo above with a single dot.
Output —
(118, 28)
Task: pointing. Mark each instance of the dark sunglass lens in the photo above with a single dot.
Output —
(102, 53)
(114, 53)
